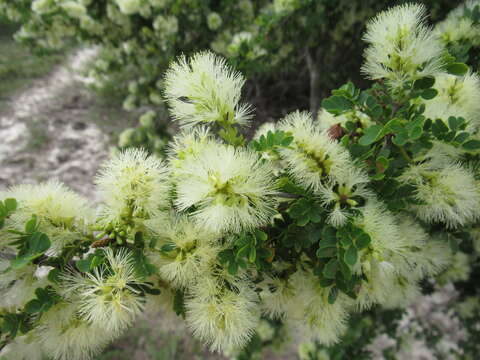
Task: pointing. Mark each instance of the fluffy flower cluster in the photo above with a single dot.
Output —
(95, 308)
(109, 297)
(204, 89)
(61, 214)
(458, 29)
(229, 188)
(448, 194)
(321, 164)
(292, 227)
(223, 317)
(401, 46)
(457, 96)
(132, 184)
(192, 250)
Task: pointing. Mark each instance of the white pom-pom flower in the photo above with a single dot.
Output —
(348, 192)
(224, 317)
(189, 143)
(204, 89)
(458, 28)
(313, 158)
(401, 46)
(63, 335)
(229, 189)
(25, 347)
(312, 314)
(376, 262)
(109, 297)
(61, 213)
(186, 251)
(449, 195)
(457, 96)
(129, 7)
(132, 184)
(326, 119)
(277, 295)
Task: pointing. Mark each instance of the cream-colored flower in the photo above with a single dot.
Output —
(229, 189)
(224, 317)
(61, 213)
(448, 195)
(191, 250)
(204, 89)
(313, 158)
(63, 335)
(109, 297)
(458, 96)
(401, 46)
(132, 184)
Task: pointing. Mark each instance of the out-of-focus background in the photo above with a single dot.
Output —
(55, 122)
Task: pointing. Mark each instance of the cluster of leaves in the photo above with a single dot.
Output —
(7, 207)
(271, 142)
(332, 252)
(248, 248)
(31, 245)
(399, 133)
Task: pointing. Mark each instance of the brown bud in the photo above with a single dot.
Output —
(102, 242)
(270, 259)
(336, 132)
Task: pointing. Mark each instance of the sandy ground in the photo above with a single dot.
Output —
(70, 148)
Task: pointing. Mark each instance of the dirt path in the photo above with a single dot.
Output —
(45, 132)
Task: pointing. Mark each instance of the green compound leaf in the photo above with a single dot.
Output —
(400, 138)
(326, 252)
(331, 269)
(16, 323)
(329, 237)
(455, 122)
(424, 83)
(457, 68)
(439, 129)
(272, 140)
(337, 104)
(371, 135)
(363, 241)
(54, 276)
(472, 145)
(351, 256)
(416, 132)
(10, 205)
(33, 246)
(31, 225)
(83, 265)
(38, 243)
(429, 94)
(461, 137)
(179, 303)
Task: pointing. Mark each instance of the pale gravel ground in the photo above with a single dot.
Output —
(426, 312)
(74, 148)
